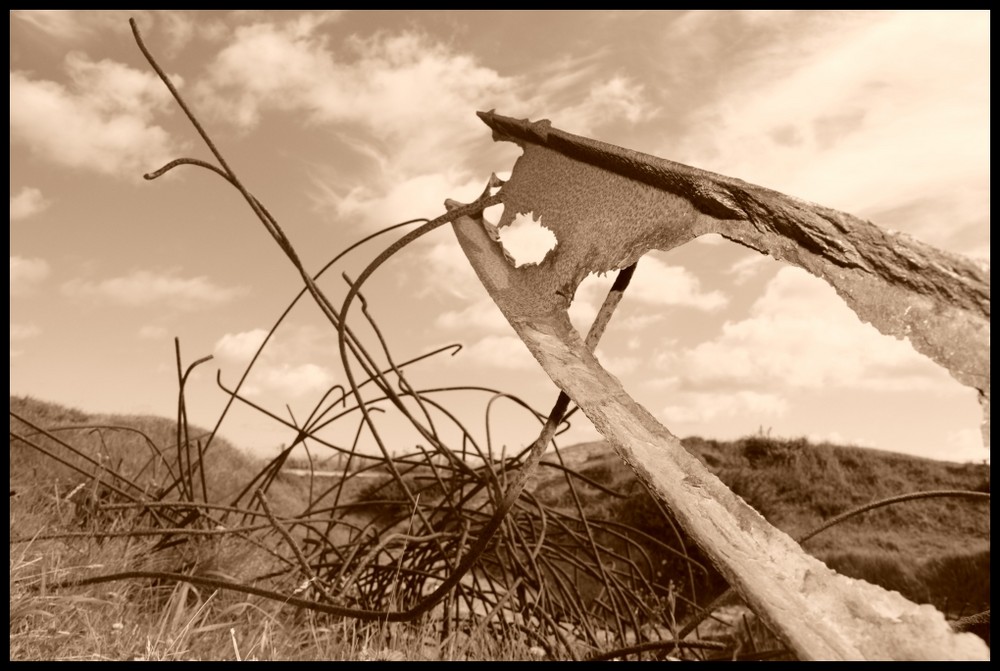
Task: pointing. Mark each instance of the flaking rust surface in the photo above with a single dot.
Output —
(607, 206)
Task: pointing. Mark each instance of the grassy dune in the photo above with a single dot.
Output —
(933, 551)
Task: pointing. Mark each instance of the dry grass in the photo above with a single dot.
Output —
(793, 483)
(141, 620)
(177, 621)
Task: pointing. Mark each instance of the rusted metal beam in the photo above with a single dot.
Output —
(607, 206)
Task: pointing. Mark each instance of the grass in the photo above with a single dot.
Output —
(175, 621)
(933, 551)
(910, 547)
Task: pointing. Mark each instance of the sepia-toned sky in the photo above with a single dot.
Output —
(344, 123)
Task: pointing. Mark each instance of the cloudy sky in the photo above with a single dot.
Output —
(345, 123)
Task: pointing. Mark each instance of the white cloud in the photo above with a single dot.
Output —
(654, 285)
(286, 368)
(292, 380)
(23, 331)
(174, 29)
(411, 94)
(965, 445)
(505, 352)
(181, 29)
(482, 314)
(862, 112)
(26, 272)
(402, 101)
(62, 24)
(240, 346)
(378, 205)
(587, 301)
(27, 202)
(102, 121)
(748, 267)
(144, 288)
(613, 100)
(82, 25)
(695, 407)
(800, 334)
(449, 273)
(638, 322)
(152, 332)
(617, 365)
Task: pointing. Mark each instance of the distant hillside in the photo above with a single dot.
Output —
(931, 550)
(128, 452)
(797, 485)
(934, 550)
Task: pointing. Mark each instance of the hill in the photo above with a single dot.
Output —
(137, 446)
(934, 550)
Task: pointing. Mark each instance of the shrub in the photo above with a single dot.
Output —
(761, 451)
(603, 473)
(958, 582)
(756, 488)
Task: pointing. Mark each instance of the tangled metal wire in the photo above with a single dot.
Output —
(446, 531)
(456, 531)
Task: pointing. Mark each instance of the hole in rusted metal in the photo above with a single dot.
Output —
(526, 240)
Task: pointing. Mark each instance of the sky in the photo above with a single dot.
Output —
(343, 123)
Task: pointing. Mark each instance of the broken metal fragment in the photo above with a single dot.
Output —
(607, 207)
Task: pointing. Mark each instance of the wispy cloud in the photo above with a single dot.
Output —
(638, 322)
(150, 332)
(697, 407)
(619, 98)
(617, 364)
(143, 288)
(23, 331)
(496, 351)
(378, 205)
(26, 272)
(447, 272)
(27, 202)
(801, 335)
(102, 121)
(965, 445)
(294, 380)
(748, 267)
(64, 24)
(481, 315)
(284, 368)
(19, 332)
(411, 94)
(404, 102)
(175, 29)
(655, 285)
(240, 346)
(829, 107)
